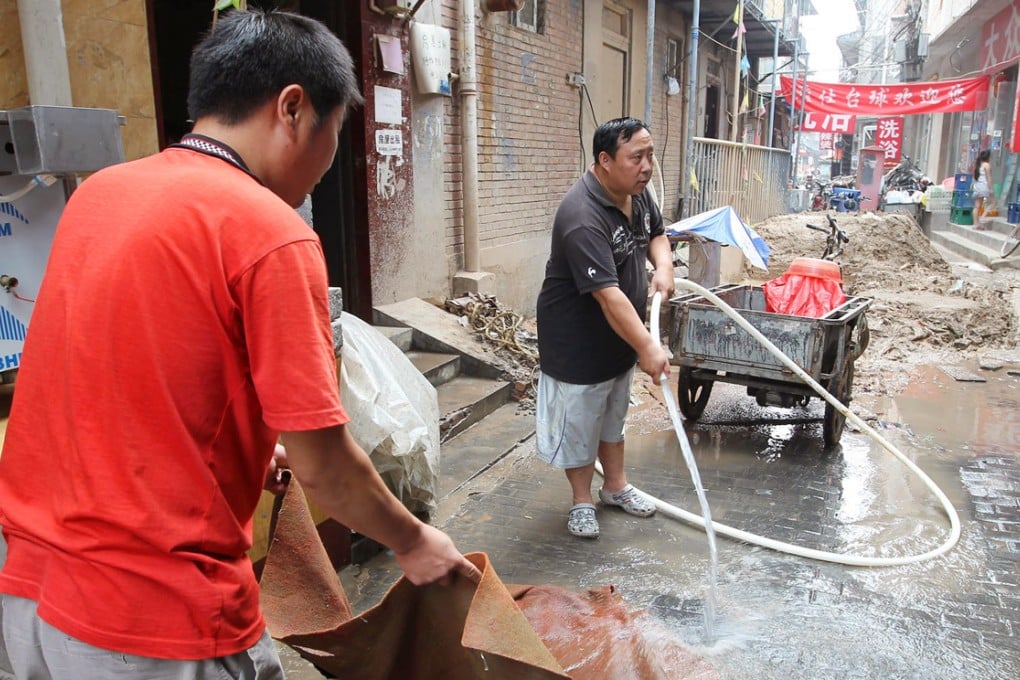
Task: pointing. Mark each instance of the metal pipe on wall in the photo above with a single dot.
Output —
(45, 48)
(775, 78)
(650, 67)
(735, 121)
(692, 104)
(794, 92)
(468, 87)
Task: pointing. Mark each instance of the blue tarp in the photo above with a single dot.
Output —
(724, 225)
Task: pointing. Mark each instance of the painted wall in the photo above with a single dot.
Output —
(108, 60)
(436, 233)
(400, 269)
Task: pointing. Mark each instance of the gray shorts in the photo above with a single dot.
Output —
(38, 650)
(573, 419)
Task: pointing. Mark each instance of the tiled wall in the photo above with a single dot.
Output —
(108, 60)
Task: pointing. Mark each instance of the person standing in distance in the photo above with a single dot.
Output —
(982, 188)
(590, 315)
(182, 328)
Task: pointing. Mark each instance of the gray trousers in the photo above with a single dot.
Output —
(38, 651)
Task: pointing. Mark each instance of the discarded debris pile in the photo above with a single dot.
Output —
(922, 312)
(501, 328)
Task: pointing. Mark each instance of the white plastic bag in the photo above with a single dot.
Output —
(394, 413)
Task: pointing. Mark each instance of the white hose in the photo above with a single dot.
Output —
(822, 555)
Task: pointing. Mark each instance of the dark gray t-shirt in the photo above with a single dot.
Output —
(593, 247)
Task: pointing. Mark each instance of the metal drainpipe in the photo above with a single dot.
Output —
(692, 102)
(468, 84)
(775, 78)
(45, 48)
(650, 68)
(794, 91)
(735, 121)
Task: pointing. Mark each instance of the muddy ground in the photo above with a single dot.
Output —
(924, 310)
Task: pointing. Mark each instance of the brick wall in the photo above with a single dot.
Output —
(669, 113)
(528, 144)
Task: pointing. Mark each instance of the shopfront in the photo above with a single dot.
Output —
(997, 126)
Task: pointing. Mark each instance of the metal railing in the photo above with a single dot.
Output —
(750, 178)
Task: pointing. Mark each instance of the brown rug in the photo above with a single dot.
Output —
(455, 632)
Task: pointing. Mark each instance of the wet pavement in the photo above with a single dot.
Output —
(779, 615)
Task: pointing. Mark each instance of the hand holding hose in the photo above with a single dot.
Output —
(654, 360)
(661, 374)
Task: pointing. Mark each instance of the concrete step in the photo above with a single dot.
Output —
(481, 446)
(436, 330)
(401, 336)
(437, 368)
(978, 246)
(467, 399)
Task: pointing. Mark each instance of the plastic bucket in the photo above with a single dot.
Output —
(1013, 213)
(813, 266)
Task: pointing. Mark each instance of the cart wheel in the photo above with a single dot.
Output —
(863, 337)
(692, 394)
(841, 387)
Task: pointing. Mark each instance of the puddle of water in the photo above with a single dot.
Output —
(791, 614)
(967, 416)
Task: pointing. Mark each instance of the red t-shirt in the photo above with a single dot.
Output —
(182, 324)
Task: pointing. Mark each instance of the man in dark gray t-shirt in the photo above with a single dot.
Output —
(591, 312)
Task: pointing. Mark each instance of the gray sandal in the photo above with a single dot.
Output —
(582, 521)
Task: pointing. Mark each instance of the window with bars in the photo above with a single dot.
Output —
(529, 16)
(672, 57)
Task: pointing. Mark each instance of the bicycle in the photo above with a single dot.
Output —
(1011, 242)
(834, 238)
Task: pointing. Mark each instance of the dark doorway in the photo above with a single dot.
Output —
(338, 202)
(712, 111)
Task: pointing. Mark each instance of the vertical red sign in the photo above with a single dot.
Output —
(999, 39)
(890, 137)
(1014, 144)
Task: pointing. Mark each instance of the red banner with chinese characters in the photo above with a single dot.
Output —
(898, 99)
(889, 136)
(827, 122)
(1000, 38)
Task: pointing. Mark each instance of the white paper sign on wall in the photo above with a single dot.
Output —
(430, 54)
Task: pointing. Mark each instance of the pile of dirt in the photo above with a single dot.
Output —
(923, 310)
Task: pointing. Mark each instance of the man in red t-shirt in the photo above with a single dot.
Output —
(181, 330)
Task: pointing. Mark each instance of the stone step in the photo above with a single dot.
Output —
(401, 336)
(975, 249)
(476, 449)
(437, 368)
(467, 399)
(436, 330)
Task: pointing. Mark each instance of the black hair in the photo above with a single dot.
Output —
(984, 156)
(250, 56)
(610, 134)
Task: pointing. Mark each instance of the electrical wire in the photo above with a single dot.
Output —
(594, 118)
